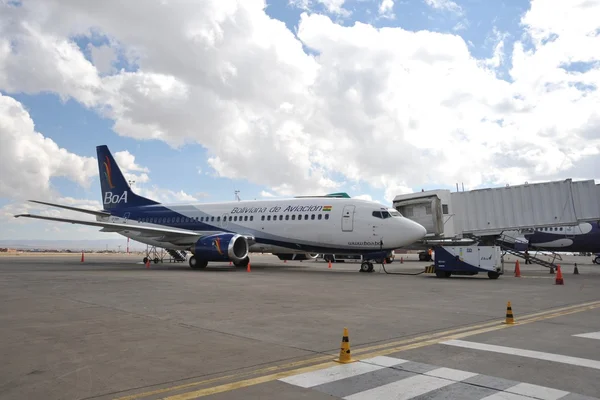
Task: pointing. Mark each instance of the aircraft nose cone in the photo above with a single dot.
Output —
(416, 231)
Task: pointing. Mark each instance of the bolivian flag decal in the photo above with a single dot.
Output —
(326, 208)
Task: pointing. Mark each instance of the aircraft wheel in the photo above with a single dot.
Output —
(597, 260)
(366, 266)
(145, 260)
(243, 263)
(197, 264)
(156, 260)
(370, 267)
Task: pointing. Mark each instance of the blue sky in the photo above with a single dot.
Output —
(494, 149)
(79, 130)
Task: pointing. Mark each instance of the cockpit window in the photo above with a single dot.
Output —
(386, 214)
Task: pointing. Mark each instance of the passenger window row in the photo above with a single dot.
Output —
(234, 218)
(292, 217)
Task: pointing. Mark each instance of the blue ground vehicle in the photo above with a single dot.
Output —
(468, 260)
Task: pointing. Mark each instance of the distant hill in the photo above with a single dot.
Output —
(76, 245)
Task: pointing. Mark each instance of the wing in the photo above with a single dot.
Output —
(83, 210)
(164, 234)
(173, 235)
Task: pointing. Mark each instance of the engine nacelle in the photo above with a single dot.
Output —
(221, 247)
(296, 256)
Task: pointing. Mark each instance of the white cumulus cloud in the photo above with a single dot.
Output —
(389, 107)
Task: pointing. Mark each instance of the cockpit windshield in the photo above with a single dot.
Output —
(394, 213)
(389, 213)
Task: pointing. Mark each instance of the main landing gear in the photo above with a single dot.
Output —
(196, 263)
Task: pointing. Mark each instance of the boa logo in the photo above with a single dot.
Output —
(110, 198)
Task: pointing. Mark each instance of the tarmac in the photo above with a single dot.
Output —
(111, 328)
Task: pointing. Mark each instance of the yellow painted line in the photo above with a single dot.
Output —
(272, 377)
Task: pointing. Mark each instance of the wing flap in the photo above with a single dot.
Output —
(83, 210)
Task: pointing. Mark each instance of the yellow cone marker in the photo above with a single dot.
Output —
(345, 356)
(510, 320)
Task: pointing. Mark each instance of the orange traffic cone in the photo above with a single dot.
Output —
(517, 269)
(82, 257)
(559, 276)
(147, 263)
(401, 260)
(248, 268)
(330, 264)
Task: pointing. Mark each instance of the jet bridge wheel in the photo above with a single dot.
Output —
(366, 266)
(493, 275)
(197, 264)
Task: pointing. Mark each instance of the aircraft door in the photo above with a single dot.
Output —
(569, 232)
(224, 218)
(348, 219)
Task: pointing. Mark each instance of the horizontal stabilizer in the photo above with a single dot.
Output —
(83, 210)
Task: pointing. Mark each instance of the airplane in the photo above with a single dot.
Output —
(581, 238)
(229, 231)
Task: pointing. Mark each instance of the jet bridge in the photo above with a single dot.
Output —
(490, 212)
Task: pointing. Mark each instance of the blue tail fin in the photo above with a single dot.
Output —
(116, 192)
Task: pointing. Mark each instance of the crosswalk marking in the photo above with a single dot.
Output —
(382, 378)
(591, 335)
(538, 392)
(581, 362)
(403, 389)
(342, 371)
(506, 396)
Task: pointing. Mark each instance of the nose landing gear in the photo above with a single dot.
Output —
(366, 266)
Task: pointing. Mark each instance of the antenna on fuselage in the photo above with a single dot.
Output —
(237, 197)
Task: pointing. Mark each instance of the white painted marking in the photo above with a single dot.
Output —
(581, 362)
(403, 389)
(591, 335)
(538, 392)
(384, 361)
(505, 396)
(341, 371)
(452, 374)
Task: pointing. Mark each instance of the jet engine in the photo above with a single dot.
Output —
(296, 256)
(221, 247)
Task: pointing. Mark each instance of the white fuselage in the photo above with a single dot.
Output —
(315, 224)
